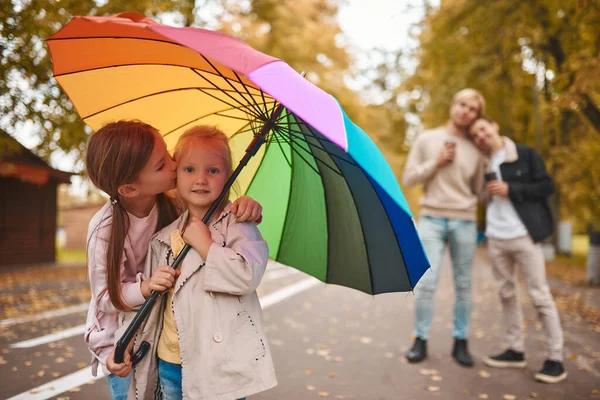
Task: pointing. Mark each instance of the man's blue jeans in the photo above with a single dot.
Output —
(461, 237)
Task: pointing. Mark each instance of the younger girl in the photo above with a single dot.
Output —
(207, 339)
(129, 161)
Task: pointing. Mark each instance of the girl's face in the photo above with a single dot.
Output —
(202, 171)
(158, 175)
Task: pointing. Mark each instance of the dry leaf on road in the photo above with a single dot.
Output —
(308, 372)
(483, 396)
(484, 374)
(309, 387)
(323, 394)
(509, 397)
(332, 375)
(433, 388)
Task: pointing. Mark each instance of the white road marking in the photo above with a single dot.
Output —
(80, 329)
(59, 385)
(67, 333)
(45, 315)
(84, 375)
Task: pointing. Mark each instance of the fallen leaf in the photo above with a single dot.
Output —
(308, 372)
(509, 397)
(484, 374)
(483, 396)
(56, 374)
(75, 390)
(310, 351)
(323, 353)
(365, 340)
(28, 363)
(41, 373)
(309, 387)
(389, 355)
(340, 396)
(332, 375)
(595, 391)
(433, 388)
(2, 360)
(81, 365)
(533, 394)
(323, 394)
(14, 369)
(59, 360)
(436, 378)
(573, 356)
(338, 359)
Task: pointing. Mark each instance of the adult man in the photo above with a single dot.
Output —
(450, 167)
(518, 218)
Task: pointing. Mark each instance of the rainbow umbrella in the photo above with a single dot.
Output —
(331, 204)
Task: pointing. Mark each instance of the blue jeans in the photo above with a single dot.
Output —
(118, 386)
(461, 237)
(170, 379)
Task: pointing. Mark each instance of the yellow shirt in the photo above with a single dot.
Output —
(168, 344)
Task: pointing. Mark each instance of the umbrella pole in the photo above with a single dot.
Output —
(144, 311)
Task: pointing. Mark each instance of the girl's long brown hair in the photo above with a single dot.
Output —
(115, 156)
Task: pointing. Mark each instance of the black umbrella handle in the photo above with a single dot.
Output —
(143, 312)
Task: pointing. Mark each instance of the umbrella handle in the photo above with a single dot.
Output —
(144, 311)
(139, 318)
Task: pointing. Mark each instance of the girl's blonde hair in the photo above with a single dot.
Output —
(211, 135)
(469, 93)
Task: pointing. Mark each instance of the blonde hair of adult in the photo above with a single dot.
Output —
(469, 93)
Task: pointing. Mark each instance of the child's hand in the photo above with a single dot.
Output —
(122, 369)
(197, 235)
(163, 278)
(247, 209)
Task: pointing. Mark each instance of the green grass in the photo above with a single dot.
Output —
(70, 256)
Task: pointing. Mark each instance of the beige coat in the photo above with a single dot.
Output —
(224, 350)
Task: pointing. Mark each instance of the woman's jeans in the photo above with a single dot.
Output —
(170, 379)
(118, 386)
(461, 237)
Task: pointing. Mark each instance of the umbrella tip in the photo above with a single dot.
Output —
(136, 17)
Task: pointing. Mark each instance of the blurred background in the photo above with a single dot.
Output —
(394, 66)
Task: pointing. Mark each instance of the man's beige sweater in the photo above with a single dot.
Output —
(451, 191)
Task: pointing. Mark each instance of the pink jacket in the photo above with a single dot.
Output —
(102, 316)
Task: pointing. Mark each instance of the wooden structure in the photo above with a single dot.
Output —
(28, 206)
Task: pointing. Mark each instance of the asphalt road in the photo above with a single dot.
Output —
(327, 342)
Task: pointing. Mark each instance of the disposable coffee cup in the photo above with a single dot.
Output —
(490, 176)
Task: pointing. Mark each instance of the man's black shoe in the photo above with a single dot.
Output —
(460, 352)
(418, 352)
(508, 359)
(552, 372)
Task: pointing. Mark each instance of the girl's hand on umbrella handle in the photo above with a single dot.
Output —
(246, 209)
(123, 369)
(197, 235)
(163, 278)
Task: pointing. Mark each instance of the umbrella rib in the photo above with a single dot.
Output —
(247, 105)
(234, 88)
(291, 142)
(300, 137)
(196, 119)
(252, 97)
(157, 94)
(299, 155)
(289, 162)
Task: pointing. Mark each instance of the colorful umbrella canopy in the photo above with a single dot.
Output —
(331, 204)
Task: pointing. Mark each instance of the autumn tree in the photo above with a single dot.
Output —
(536, 64)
